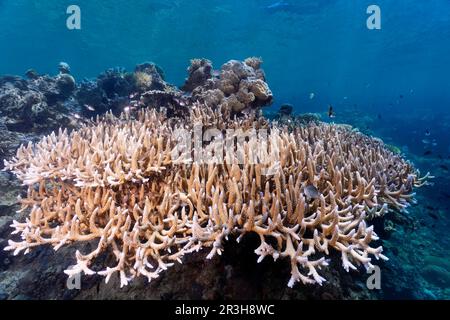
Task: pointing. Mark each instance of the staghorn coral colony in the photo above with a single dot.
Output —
(132, 183)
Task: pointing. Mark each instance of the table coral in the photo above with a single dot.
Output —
(126, 183)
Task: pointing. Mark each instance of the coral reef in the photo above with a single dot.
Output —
(9, 141)
(418, 256)
(110, 91)
(43, 103)
(36, 104)
(237, 87)
(116, 89)
(285, 117)
(200, 71)
(126, 183)
(99, 186)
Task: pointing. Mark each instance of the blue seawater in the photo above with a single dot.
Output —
(324, 47)
(392, 83)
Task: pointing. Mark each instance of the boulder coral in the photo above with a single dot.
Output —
(236, 87)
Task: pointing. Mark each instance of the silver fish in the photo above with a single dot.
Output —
(89, 107)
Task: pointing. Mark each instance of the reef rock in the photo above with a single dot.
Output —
(199, 71)
(110, 91)
(64, 68)
(36, 104)
(66, 85)
(118, 90)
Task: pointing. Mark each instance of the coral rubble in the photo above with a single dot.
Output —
(128, 184)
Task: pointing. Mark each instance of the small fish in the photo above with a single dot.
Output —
(89, 107)
(277, 5)
(379, 116)
(345, 98)
(426, 141)
(427, 153)
(427, 133)
(443, 167)
(180, 101)
(330, 111)
(311, 192)
(246, 111)
(221, 10)
(311, 96)
(434, 216)
(401, 96)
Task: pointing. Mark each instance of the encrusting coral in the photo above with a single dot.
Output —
(126, 183)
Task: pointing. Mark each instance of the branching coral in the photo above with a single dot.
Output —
(126, 183)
